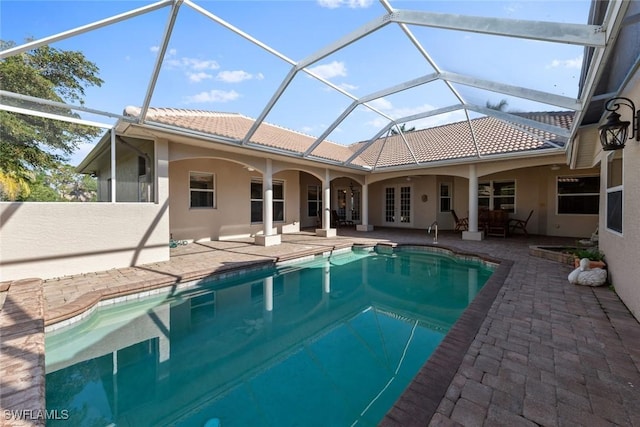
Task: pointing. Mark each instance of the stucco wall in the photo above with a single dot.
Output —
(622, 251)
(536, 189)
(48, 240)
(232, 215)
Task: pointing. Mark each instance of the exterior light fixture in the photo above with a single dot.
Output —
(613, 134)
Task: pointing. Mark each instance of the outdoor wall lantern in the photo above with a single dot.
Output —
(613, 134)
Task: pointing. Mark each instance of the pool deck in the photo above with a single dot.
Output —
(531, 350)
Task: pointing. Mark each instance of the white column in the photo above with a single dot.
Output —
(113, 165)
(326, 230)
(326, 201)
(473, 233)
(268, 237)
(364, 206)
(267, 202)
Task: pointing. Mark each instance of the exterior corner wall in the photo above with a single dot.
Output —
(621, 250)
(48, 240)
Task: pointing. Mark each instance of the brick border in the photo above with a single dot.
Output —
(420, 400)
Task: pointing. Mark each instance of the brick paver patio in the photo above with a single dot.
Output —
(542, 352)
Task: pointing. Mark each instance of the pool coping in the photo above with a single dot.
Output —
(417, 404)
(77, 309)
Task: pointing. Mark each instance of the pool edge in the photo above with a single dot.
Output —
(417, 405)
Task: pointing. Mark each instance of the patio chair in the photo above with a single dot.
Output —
(519, 224)
(337, 221)
(462, 224)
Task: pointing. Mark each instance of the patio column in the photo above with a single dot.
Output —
(112, 189)
(269, 237)
(473, 233)
(326, 230)
(364, 206)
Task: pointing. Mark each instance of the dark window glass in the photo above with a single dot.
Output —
(578, 184)
(614, 211)
(256, 211)
(578, 195)
(256, 190)
(578, 204)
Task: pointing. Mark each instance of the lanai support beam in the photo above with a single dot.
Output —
(269, 236)
(365, 226)
(473, 233)
(326, 230)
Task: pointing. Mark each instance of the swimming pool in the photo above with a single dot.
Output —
(332, 341)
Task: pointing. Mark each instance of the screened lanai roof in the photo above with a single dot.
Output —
(366, 84)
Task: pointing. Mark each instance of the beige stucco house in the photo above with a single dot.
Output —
(200, 175)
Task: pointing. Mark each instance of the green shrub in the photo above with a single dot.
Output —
(594, 254)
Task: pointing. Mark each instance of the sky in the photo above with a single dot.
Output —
(209, 67)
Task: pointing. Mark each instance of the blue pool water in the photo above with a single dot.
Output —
(325, 342)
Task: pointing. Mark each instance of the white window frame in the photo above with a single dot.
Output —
(317, 201)
(441, 197)
(492, 196)
(261, 199)
(203, 190)
(614, 189)
(398, 218)
(558, 195)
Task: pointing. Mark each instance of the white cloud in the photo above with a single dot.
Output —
(194, 68)
(194, 64)
(575, 63)
(170, 52)
(347, 86)
(236, 76)
(353, 4)
(212, 96)
(385, 106)
(333, 69)
(381, 104)
(198, 77)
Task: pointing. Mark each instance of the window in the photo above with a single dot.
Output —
(405, 204)
(578, 195)
(314, 200)
(356, 201)
(495, 195)
(256, 201)
(390, 204)
(398, 211)
(614, 192)
(201, 190)
(445, 197)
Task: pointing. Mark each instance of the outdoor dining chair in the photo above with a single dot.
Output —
(519, 224)
(462, 224)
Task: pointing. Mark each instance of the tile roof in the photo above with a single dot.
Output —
(236, 126)
(445, 142)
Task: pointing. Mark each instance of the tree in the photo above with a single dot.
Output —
(62, 184)
(402, 129)
(30, 144)
(500, 106)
